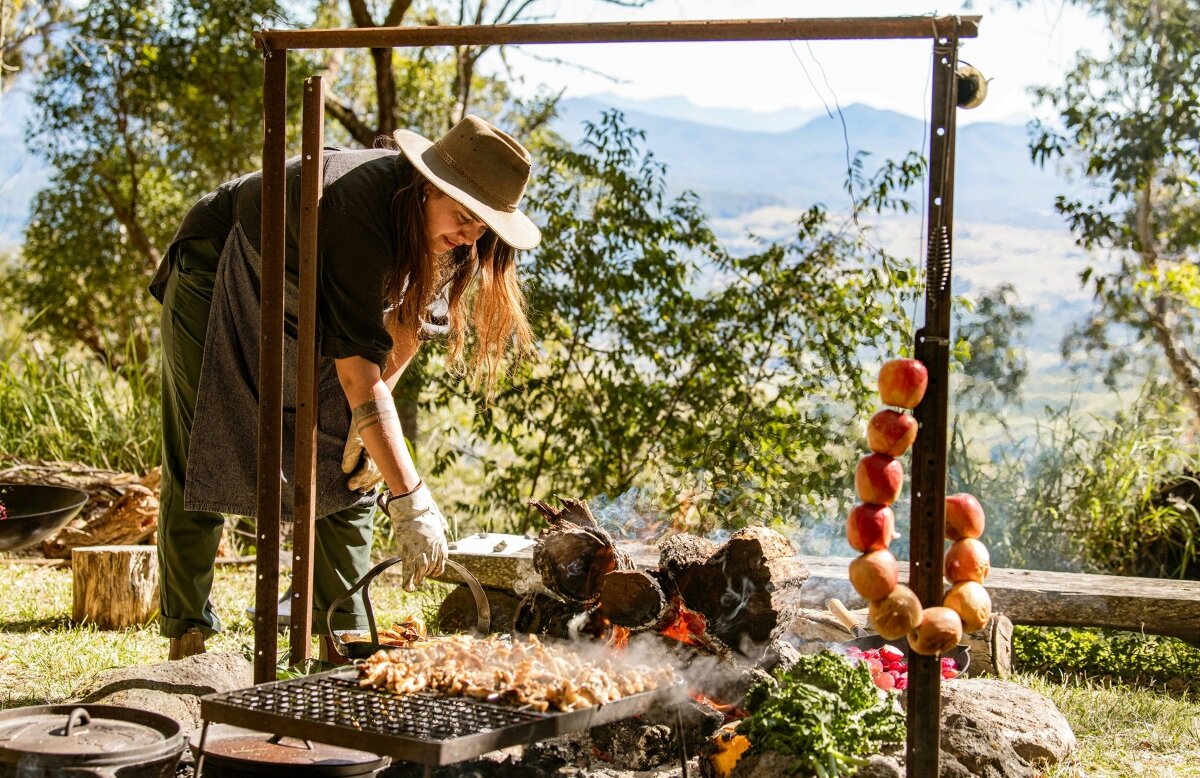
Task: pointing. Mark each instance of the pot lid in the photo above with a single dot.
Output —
(274, 755)
(75, 733)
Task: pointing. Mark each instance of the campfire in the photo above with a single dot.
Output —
(713, 610)
(730, 598)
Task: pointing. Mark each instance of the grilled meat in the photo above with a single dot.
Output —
(525, 672)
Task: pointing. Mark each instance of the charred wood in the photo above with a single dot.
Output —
(748, 591)
(573, 554)
(635, 599)
(679, 552)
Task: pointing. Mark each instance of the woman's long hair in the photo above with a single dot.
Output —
(494, 308)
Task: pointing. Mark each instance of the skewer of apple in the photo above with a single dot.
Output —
(895, 609)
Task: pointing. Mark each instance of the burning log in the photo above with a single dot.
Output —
(679, 552)
(748, 590)
(574, 553)
(636, 600)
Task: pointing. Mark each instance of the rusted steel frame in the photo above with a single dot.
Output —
(270, 367)
(624, 32)
(305, 479)
(932, 346)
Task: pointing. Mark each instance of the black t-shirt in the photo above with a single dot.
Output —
(356, 242)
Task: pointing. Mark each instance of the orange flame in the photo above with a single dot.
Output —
(687, 625)
(729, 710)
(618, 638)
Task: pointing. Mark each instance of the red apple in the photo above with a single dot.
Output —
(896, 614)
(964, 517)
(870, 527)
(902, 382)
(878, 479)
(874, 574)
(939, 631)
(891, 432)
(967, 560)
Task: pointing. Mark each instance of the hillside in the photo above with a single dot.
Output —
(738, 170)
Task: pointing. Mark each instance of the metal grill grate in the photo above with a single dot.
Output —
(341, 702)
(432, 730)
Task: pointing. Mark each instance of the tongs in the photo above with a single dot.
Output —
(361, 649)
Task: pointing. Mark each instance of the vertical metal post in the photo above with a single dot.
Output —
(932, 347)
(270, 366)
(305, 479)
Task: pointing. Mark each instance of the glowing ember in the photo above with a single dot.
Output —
(3, 512)
(687, 627)
(729, 710)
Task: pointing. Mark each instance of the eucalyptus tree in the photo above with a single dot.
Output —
(26, 27)
(1130, 125)
(141, 111)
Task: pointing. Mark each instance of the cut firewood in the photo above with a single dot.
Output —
(130, 520)
(748, 591)
(574, 553)
(635, 600)
(681, 551)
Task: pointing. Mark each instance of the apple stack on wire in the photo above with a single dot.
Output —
(878, 479)
(895, 610)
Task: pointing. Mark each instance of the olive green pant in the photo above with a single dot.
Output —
(188, 540)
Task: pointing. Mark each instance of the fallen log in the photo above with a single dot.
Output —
(1155, 606)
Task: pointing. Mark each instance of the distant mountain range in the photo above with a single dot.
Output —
(736, 160)
(738, 170)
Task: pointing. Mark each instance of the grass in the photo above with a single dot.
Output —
(46, 659)
(58, 407)
(1122, 729)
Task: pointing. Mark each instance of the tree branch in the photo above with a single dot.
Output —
(346, 117)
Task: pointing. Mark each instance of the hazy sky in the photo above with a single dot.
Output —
(1015, 49)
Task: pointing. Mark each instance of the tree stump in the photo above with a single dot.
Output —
(114, 586)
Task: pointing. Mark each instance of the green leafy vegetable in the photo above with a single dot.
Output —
(824, 711)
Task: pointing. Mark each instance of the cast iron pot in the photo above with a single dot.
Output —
(96, 741)
(36, 511)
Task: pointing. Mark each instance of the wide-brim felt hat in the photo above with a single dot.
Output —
(481, 167)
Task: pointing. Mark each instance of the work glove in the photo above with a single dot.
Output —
(420, 532)
(358, 464)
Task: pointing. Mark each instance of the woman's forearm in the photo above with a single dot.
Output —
(375, 418)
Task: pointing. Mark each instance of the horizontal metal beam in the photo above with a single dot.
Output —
(851, 28)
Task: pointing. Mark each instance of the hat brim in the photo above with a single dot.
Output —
(513, 227)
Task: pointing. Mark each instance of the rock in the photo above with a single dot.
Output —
(880, 766)
(997, 728)
(766, 765)
(171, 688)
(457, 611)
